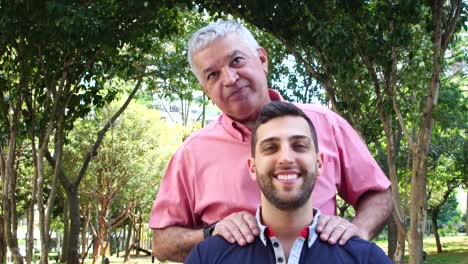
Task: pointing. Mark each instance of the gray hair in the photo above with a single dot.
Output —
(214, 31)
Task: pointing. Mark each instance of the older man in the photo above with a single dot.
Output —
(207, 189)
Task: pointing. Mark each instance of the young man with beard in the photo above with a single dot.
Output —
(285, 163)
(206, 189)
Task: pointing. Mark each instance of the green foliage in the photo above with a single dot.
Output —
(131, 160)
(447, 156)
(450, 216)
(170, 78)
(75, 47)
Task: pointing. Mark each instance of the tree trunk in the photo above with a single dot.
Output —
(101, 230)
(9, 179)
(45, 207)
(3, 243)
(435, 214)
(398, 213)
(9, 206)
(44, 234)
(392, 238)
(112, 237)
(418, 206)
(74, 214)
(96, 248)
(102, 221)
(444, 27)
(138, 235)
(400, 246)
(124, 239)
(127, 242)
(466, 215)
(30, 221)
(84, 233)
(104, 250)
(85, 253)
(30, 232)
(117, 240)
(66, 231)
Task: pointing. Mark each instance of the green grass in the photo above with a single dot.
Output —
(449, 244)
(449, 257)
(455, 250)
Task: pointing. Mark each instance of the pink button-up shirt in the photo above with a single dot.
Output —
(207, 179)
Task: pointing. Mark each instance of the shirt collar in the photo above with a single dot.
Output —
(238, 130)
(268, 232)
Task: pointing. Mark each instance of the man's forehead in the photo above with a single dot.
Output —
(206, 67)
(286, 127)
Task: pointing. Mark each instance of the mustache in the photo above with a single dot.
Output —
(241, 83)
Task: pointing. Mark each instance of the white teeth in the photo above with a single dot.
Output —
(286, 177)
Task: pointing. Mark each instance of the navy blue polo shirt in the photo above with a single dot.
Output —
(267, 249)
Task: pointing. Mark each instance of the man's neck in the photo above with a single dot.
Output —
(287, 225)
(249, 122)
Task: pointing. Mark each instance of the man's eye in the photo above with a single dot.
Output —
(237, 60)
(212, 75)
(269, 149)
(300, 146)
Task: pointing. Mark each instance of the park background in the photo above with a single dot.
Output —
(95, 96)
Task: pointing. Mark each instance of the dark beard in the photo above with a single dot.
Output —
(271, 193)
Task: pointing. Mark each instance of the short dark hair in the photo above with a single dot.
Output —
(277, 109)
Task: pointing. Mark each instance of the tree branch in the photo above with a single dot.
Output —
(93, 151)
(454, 16)
(401, 121)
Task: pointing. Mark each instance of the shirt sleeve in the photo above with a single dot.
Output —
(175, 201)
(359, 170)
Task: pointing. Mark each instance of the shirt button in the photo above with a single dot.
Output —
(280, 260)
(275, 244)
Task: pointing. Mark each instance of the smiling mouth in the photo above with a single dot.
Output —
(287, 177)
(238, 91)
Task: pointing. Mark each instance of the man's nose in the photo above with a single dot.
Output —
(285, 155)
(230, 76)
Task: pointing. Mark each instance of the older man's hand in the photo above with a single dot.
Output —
(240, 227)
(336, 229)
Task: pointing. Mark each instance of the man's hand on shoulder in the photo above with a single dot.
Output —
(240, 227)
(337, 229)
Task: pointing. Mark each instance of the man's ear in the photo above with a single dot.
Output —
(319, 163)
(252, 169)
(263, 58)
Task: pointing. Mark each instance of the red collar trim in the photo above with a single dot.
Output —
(270, 232)
(304, 233)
